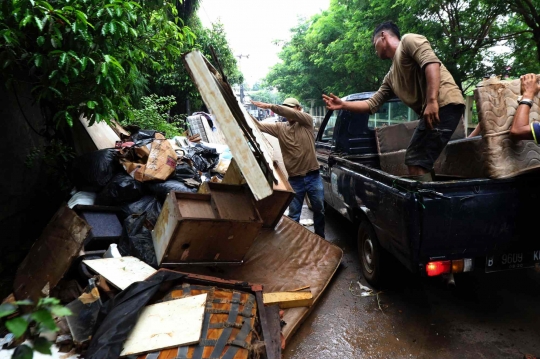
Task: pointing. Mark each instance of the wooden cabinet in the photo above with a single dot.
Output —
(215, 227)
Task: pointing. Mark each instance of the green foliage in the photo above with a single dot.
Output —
(177, 82)
(155, 116)
(40, 319)
(333, 51)
(267, 95)
(88, 55)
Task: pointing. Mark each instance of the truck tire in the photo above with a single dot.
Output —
(371, 254)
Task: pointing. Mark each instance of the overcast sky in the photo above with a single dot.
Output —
(252, 26)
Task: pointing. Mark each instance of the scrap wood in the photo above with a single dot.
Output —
(101, 133)
(288, 299)
(234, 122)
(51, 255)
(121, 272)
(301, 288)
(158, 325)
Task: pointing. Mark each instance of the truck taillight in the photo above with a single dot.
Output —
(437, 268)
(455, 266)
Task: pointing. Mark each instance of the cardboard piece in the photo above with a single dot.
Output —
(157, 161)
(51, 255)
(166, 325)
(121, 272)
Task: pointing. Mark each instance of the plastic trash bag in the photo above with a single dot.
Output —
(137, 239)
(121, 189)
(162, 189)
(143, 137)
(147, 204)
(185, 171)
(204, 158)
(92, 171)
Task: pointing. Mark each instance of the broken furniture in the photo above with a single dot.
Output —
(289, 256)
(229, 331)
(272, 207)
(496, 101)
(215, 227)
(246, 142)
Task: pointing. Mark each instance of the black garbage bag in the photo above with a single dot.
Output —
(204, 158)
(121, 189)
(143, 137)
(162, 189)
(137, 241)
(120, 314)
(185, 171)
(92, 171)
(147, 204)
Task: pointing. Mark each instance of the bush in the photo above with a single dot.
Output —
(155, 116)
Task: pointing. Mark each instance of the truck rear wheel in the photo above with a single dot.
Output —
(370, 253)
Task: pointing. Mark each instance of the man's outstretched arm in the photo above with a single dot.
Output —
(335, 103)
(521, 129)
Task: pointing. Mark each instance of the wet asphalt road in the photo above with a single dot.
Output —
(485, 316)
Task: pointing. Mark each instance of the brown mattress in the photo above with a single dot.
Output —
(285, 258)
(496, 101)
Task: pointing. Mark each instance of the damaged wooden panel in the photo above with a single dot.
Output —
(101, 133)
(243, 137)
(496, 101)
(121, 272)
(166, 325)
(51, 256)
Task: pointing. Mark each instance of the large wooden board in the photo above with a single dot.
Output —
(51, 256)
(101, 133)
(167, 325)
(242, 141)
(121, 272)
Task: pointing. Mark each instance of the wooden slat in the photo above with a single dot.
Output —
(167, 325)
(121, 272)
(213, 97)
(289, 299)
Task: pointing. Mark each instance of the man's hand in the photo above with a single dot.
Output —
(332, 102)
(261, 104)
(431, 114)
(529, 86)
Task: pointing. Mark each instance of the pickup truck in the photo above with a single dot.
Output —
(451, 225)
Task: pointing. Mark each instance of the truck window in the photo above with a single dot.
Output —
(392, 113)
(328, 132)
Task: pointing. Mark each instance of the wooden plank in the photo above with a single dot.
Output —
(51, 255)
(121, 272)
(166, 325)
(233, 174)
(101, 133)
(233, 132)
(271, 334)
(289, 299)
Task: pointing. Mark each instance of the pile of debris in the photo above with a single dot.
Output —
(149, 203)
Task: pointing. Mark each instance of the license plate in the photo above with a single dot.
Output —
(513, 260)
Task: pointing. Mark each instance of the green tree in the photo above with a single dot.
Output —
(88, 56)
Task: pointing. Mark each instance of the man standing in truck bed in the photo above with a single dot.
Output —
(298, 149)
(422, 82)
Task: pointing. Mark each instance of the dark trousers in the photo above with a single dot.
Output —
(311, 184)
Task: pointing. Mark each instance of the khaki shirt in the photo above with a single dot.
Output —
(407, 79)
(296, 140)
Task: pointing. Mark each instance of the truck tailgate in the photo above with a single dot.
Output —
(285, 258)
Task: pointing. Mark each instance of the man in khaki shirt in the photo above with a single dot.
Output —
(298, 149)
(422, 82)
